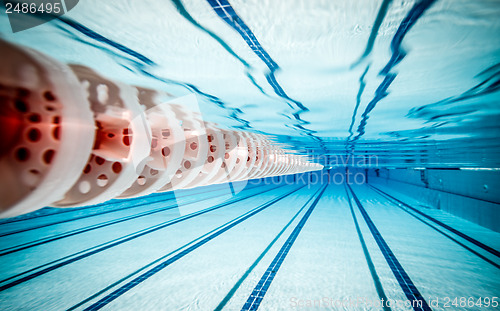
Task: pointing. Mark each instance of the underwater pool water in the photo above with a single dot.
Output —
(413, 82)
(403, 93)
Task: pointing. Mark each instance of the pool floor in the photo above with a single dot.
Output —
(268, 247)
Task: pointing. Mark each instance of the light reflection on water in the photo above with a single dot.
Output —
(414, 83)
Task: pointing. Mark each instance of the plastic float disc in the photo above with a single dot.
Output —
(250, 160)
(123, 141)
(283, 160)
(214, 159)
(263, 158)
(167, 146)
(281, 164)
(275, 162)
(195, 151)
(288, 164)
(270, 161)
(241, 161)
(240, 158)
(259, 156)
(47, 130)
(293, 163)
(285, 164)
(229, 160)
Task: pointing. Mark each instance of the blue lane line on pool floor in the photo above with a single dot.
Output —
(237, 285)
(162, 198)
(373, 271)
(56, 264)
(167, 262)
(414, 297)
(409, 212)
(95, 226)
(261, 288)
(460, 234)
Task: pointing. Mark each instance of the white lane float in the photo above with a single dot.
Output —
(72, 137)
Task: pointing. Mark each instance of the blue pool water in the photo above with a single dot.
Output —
(413, 82)
(367, 84)
(300, 246)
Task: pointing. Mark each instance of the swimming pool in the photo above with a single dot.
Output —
(362, 75)
(405, 94)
